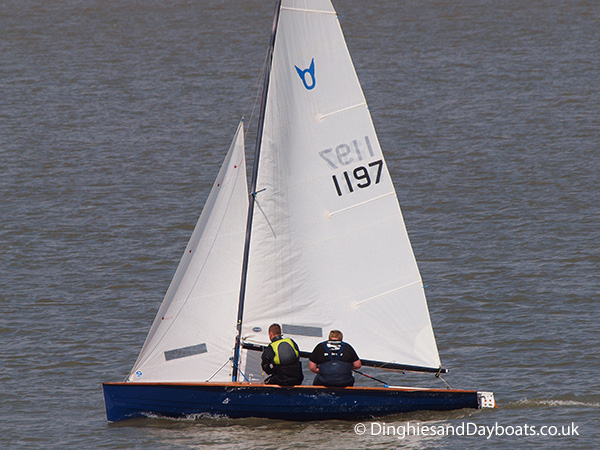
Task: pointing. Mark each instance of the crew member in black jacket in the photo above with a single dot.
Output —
(333, 362)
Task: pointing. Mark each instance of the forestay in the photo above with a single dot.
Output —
(194, 331)
(329, 248)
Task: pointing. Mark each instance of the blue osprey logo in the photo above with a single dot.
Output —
(310, 71)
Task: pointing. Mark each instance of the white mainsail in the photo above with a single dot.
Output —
(194, 331)
(329, 248)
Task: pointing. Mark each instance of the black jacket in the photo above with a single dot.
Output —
(282, 362)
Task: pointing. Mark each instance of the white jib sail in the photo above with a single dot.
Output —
(194, 332)
(329, 248)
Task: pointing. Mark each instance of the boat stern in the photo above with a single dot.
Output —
(486, 400)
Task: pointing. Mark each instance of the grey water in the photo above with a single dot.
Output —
(114, 119)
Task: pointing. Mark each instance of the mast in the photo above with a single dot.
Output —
(259, 133)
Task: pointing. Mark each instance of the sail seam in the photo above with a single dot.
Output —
(320, 117)
(386, 293)
(356, 205)
(314, 11)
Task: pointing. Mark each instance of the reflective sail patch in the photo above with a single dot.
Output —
(302, 330)
(185, 352)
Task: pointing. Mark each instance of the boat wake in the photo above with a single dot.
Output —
(554, 403)
(188, 417)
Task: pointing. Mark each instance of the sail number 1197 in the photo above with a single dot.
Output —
(346, 154)
(360, 177)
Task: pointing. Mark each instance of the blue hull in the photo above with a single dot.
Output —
(300, 403)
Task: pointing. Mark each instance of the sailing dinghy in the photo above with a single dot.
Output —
(318, 243)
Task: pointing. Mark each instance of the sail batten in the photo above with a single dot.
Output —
(321, 117)
(356, 205)
(311, 11)
(357, 304)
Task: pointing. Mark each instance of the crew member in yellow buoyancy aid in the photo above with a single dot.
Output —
(281, 359)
